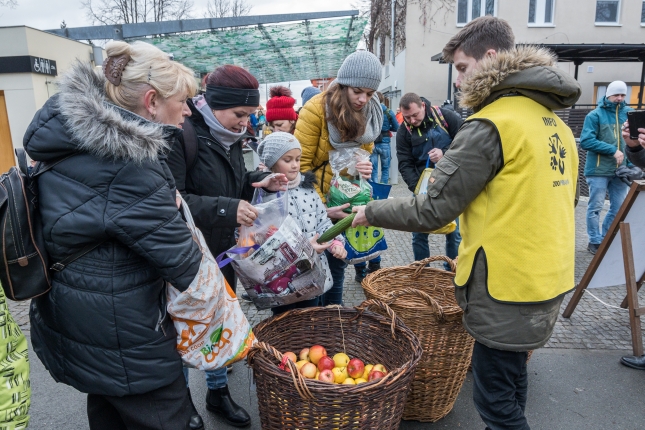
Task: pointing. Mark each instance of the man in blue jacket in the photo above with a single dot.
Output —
(601, 137)
(382, 144)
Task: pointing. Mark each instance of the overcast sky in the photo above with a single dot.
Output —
(48, 14)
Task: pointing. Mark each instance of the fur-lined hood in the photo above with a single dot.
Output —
(82, 119)
(526, 70)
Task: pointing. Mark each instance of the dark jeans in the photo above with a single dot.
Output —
(376, 260)
(166, 408)
(298, 305)
(335, 295)
(500, 387)
(421, 248)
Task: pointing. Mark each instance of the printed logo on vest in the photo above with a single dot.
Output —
(559, 151)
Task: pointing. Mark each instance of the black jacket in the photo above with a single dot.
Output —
(412, 145)
(215, 184)
(103, 327)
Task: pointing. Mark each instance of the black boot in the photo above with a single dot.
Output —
(220, 402)
(361, 273)
(195, 422)
(634, 362)
(373, 267)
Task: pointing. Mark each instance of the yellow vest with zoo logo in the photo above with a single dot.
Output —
(523, 220)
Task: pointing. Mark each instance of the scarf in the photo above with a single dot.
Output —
(295, 183)
(223, 136)
(374, 114)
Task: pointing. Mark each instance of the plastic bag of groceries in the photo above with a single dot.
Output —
(212, 330)
(422, 188)
(273, 259)
(347, 186)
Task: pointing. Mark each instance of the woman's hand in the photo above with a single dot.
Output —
(633, 142)
(364, 168)
(338, 251)
(246, 213)
(337, 212)
(319, 248)
(275, 182)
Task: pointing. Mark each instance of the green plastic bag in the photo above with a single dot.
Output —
(347, 186)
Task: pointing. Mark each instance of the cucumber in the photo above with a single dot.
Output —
(337, 229)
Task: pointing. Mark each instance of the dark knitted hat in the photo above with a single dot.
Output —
(280, 105)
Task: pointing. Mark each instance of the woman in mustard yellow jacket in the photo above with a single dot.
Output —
(347, 115)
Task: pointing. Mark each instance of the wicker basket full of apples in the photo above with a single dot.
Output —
(353, 370)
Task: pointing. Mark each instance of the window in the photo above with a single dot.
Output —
(467, 10)
(607, 12)
(541, 12)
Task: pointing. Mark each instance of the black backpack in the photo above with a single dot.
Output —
(24, 263)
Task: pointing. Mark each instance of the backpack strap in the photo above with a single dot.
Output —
(189, 144)
(438, 118)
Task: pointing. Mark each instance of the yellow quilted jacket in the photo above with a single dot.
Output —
(311, 132)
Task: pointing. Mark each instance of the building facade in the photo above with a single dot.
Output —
(30, 63)
(533, 21)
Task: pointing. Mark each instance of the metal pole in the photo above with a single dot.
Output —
(575, 74)
(392, 32)
(449, 80)
(640, 92)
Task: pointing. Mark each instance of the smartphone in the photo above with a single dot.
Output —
(636, 120)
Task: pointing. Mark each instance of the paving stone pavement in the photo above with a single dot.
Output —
(592, 325)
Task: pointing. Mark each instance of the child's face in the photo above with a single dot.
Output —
(282, 125)
(289, 164)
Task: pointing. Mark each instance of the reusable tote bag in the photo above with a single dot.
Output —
(212, 330)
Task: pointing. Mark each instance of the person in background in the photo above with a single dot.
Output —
(103, 327)
(512, 274)
(280, 114)
(636, 155)
(280, 152)
(217, 187)
(347, 115)
(399, 116)
(253, 119)
(307, 95)
(601, 138)
(423, 139)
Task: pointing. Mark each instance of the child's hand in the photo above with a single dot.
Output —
(338, 251)
(319, 248)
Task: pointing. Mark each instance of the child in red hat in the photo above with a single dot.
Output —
(280, 113)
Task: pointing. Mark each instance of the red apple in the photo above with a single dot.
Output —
(304, 354)
(374, 375)
(316, 352)
(380, 368)
(292, 356)
(326, 376)
(308, 370)
(355, 368)
(325, 362)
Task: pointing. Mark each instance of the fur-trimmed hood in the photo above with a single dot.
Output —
(80, 118)
(526, 70)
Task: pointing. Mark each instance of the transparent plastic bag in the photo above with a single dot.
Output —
(347, 186)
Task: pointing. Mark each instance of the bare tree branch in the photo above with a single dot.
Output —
(9, 3)
(224, 8)
(110, 12)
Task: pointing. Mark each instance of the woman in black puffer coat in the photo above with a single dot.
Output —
(103, 327)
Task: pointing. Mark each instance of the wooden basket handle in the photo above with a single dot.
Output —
(436, 307)
(298, 379)
(381, 305)
(422, 263)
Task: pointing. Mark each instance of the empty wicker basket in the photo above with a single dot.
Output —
(423, 297)
(288, 401)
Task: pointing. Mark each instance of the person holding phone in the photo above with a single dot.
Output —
(601, 138)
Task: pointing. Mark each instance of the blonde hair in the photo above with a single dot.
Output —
(148, 67)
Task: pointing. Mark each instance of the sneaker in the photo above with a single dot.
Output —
(593, 247)
(246, 297)
(361, 273)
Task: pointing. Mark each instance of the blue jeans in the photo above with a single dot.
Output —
(421, 248)
(381, 150)
(337, 268)
(599, 186)
(214, 378)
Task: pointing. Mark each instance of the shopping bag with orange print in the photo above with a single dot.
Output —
(212, 330)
